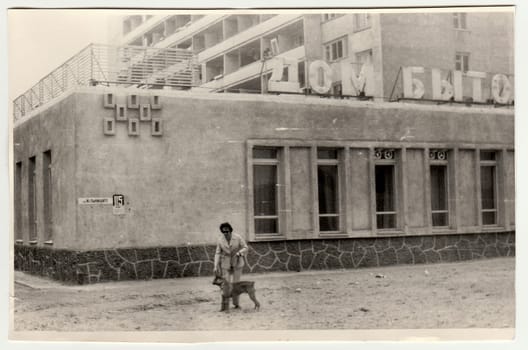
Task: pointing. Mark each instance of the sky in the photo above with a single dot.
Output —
(41, 40)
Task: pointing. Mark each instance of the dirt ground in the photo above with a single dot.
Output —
(475, 294)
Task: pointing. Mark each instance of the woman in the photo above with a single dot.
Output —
(229, 256)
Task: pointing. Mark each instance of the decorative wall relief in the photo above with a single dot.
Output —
(144, 112)
(109, 126)
(133, 109)
(121, 113)
(384, 153)
(109, 100)
(133, 101)
(437, 154)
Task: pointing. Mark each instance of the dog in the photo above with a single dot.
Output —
(233, 290)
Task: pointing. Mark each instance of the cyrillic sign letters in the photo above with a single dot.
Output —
(320, 79)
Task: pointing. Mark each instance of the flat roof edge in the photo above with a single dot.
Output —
(296, 99)
(285, 98)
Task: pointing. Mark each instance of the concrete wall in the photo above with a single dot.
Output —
(416, 201)
(488, 40)
(312, 37)
(360, 188)
(179, 186)
(467, 189)
(53, 128)
(302, 222)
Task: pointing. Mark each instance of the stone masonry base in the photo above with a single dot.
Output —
(169, 262)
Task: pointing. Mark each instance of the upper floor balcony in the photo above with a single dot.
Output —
(255, 70)
(108, 65)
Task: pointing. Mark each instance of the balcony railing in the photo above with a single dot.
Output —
(108, 65)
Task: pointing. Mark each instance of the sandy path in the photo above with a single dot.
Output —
(456, 295)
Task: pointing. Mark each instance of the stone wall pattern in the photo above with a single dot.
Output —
(85, 267)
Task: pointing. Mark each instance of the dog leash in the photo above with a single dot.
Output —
(245, 260)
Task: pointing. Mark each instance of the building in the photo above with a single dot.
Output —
(234, 49)
(115, 182)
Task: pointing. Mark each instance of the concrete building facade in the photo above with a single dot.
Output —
(234, 49)
(285, 171)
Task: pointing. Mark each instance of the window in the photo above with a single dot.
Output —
(488, 187)
(18, 202)
(47, 193)
(385, 208)
(462, 61)
(330, 16)
(32, 200)
(364, 57)
(265, 190)
(361, 21)
(459, 20)
(439, 195)
(385, 184)
(336, 50)
(328, 189)
(439, 187)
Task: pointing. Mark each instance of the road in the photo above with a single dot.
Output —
(473, 294)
